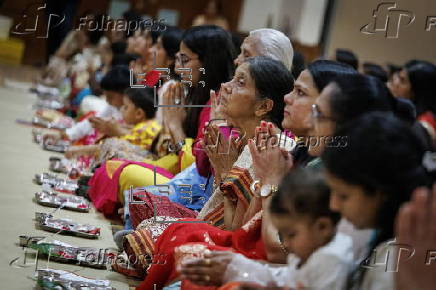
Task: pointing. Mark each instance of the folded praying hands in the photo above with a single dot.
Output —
(222, 151)
(270, 162)
(416, 228)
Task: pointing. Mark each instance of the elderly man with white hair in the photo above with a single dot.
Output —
(267, 42)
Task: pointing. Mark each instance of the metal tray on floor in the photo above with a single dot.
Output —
(46, 222)
(71, 202)
(46, 278)
(66, 253)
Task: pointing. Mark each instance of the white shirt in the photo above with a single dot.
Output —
(380, 273)
(84, 127)
(360, 238)
(327, 268)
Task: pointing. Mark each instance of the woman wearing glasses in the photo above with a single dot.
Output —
(263, 243)
(197, 179)
(206, 47)
(298, 118)
(341, 101)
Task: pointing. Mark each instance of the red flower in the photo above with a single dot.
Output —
(151, 78)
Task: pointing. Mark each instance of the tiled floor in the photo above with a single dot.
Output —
(20, 159)
(18, 73)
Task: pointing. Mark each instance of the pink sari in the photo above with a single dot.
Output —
(104, 184)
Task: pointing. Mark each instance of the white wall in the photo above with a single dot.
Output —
(254, 14)
(311, 23)
(291, 11)
(304, 17)
(412, 42)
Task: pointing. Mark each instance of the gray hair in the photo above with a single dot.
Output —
(274, 44)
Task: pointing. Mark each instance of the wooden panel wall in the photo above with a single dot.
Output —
(35, 51)
(188, 9)
(36, 47)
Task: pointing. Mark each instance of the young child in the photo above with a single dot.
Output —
(319, 257)
(138, 111)
(106, 118)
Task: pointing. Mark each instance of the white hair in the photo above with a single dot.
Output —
(274, 44)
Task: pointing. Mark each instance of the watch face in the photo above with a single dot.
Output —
(265, 190)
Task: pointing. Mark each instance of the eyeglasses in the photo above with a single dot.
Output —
(183, 59)
(316, 114)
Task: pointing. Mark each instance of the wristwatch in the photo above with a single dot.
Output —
(255, 186)
(268, 189)
(176, 148)
(179, 145)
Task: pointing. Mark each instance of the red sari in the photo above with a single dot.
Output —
(246, 240)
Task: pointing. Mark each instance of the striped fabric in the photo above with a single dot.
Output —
(139, 244)
(236, 186)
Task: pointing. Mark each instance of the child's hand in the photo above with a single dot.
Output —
(96, 121)
(73, 152)
(208, 270)
(110, 127)
(76, 151)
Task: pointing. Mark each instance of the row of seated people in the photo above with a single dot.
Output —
(248, 178)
